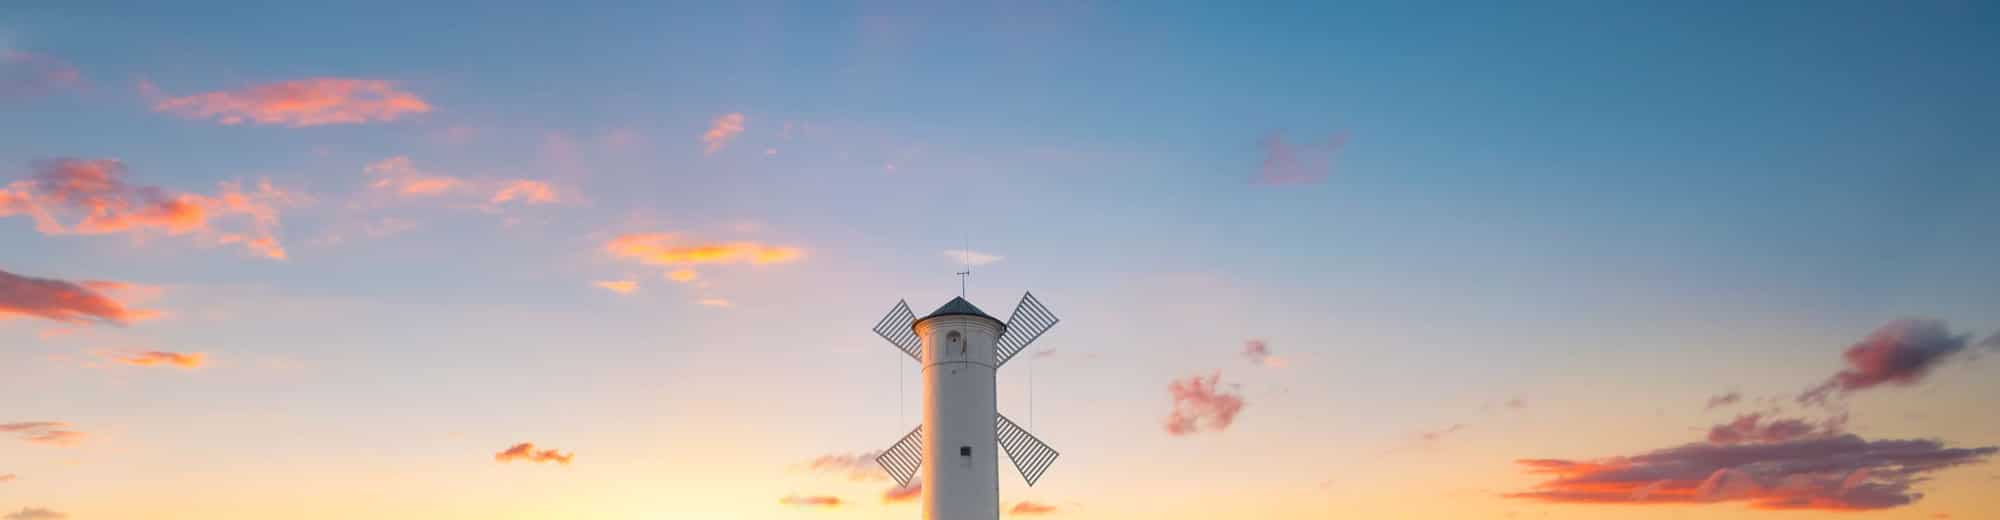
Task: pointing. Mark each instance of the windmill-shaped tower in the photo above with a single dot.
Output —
(960, 348)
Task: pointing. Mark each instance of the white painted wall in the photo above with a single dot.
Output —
(958, 412)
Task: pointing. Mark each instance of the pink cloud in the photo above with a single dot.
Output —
(45, 432)
(1297, 163)
(1901, 352)
(526, 452)
(95, 194)
(296, 103)
(720, 131)
(1200, 404)
(25, 75)
(63, 301)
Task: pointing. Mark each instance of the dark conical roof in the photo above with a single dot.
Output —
(958, 307)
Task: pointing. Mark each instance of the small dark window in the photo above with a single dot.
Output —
(965, 451)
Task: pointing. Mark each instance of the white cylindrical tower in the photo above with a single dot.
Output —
(961, 473)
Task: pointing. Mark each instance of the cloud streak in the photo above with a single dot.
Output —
(859, 467)
(1200, 404)
(35, 513)
(1026, 508)
(63, 301)
(1297, 163)
(526, 452)
(296, 103)
(49, 433)
(94, 194)
(25, 75)
(1837, 473)
(618, 286)
(970, 257)
(811, 501)
(184, 361)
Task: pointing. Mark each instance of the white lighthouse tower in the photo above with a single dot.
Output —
(956, 447)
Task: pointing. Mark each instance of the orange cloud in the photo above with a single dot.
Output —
(715, 302)
(44, 432)
(65, 301)
(618, 286)
(656, 249)
(296, 103)
(721, 130)
(811, 501)
(24, 75)
(35, 513)
(1031, 508)
(899, 494)
(94, 193)
(683, 275)
(6, 477)
(187, 361)
(399, 176)
(526, 451)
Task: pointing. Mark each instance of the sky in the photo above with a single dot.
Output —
(1564, 260)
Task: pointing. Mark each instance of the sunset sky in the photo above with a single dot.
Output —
(1563, 260)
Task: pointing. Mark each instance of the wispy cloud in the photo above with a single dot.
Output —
(1201, 404)
(715, 302)
(1749, 428)
(296, 103)
(860, 467)
(50, 433)
(618, 286)
(720, 131)
(1723, 400)
(64, 301)
(1297, 163)
(683, 275)
(970, 257)
(1433, 436)
(184, 361)
(399, 176)
(1026, 508)
(35, 513)
(6, 477)
(811, 501)
(1901, 352)
(24, 75)
(1259, 353)
(1841, 473)
(668, 249)
(526, 452)
(95, 194)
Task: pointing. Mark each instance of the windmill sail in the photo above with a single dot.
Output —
(1029, 454)
(895, 327)
(1029, 321)
(903, 459)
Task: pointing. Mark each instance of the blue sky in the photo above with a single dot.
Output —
(1618, 207)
